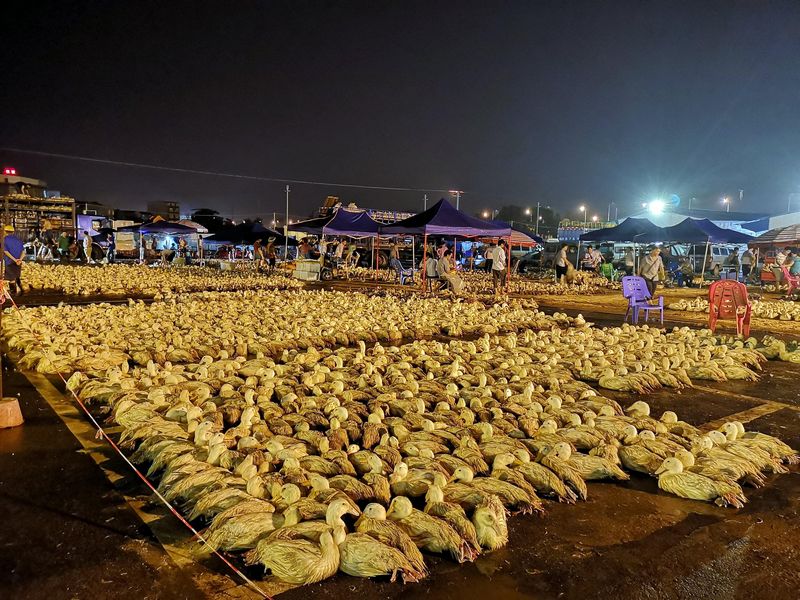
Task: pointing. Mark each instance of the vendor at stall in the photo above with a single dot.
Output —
(13, 254)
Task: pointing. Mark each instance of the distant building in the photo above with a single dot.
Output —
(171, 211)
(32, 209)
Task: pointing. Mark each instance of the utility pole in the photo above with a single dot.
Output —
(286, 229)
(537, 218)
(425, 202)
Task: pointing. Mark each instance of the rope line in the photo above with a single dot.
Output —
(121, 163)
(101, 434)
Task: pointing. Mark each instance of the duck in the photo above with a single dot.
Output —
(375, 478)
(427, 531)
(490, 521)
(298, 562)
(719, 469)
(451, 513)
(566, 472)
(590, 468)
(779, 450)
(512, 496)
(361, 555)
(673, 479)
(543, 479)
(373, 522)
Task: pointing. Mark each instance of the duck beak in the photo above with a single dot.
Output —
(660, 470)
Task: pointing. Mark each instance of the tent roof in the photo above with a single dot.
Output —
(631, 229)
(313, 226)
(780, 235)
(354, 224)
(160, 226)
(444, 219)
(520, 236)
(248, 233)
(194, 225)
(702, 230)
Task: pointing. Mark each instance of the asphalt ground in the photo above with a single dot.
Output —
(77, 524)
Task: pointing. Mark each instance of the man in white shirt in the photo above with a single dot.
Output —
(488, 256)
(499, 267)
(650, 269)
(561, 263)
(87, 247)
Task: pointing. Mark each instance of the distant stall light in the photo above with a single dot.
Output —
(9, 171)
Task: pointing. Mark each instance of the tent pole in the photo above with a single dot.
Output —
(508, 271)
(424, 259)
(413, 257)
(705, 258)
(377, 255)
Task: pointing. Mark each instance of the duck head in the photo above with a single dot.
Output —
(549, 426)
(434, 494)
(399, 508)
(463, 474)
(555, 402)
(562, 451)
(290, 493)
(717, 437)
(522, 456)
(638, 409)
(503, 460)
(337, 509)
(646, 434)
(574, 420)
(669, 417)
(375, 464)
(671, 466)
(373, 510)
(730, 430)
(686, 458)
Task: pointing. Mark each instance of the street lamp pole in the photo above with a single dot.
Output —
(425, 202)
(537, 218)
(286, 229)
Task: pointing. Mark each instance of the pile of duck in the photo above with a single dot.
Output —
(782, 310)
(428, 445)
(248, 323)
(143, 281)
(479, 282)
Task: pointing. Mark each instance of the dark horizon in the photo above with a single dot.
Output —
(561, 103)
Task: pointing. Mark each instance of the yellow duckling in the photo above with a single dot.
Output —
(777, 449)
(510, 494)
(591, 468)
(673, 479)
(543, 480)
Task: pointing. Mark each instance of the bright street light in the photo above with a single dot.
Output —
(485, 214)
(656, 206)
(594, 219)
(527, 211)
(727, 203)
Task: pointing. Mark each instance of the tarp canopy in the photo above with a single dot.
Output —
(444, 219)
(631, 229)
(249, 233)
(780, 236)
(164, 227)
(312, 226)
(521, 237)
(702, 230)
(353, 224)
(198, 228)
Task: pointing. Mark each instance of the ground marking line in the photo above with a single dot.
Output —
(745, 397)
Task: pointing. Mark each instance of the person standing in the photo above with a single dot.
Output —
(747, 263)
(650, 269)
(499, 271)
(338, 254)
(270, 253)
(488, 255)
(87, 248)
(257, 252)
(63, 246)
(562, 263)
(629, 261)
(587, 264)
(13, 253)
(111, 252)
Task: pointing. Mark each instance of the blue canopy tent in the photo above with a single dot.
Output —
(444, 219)
(631, 229)
(352, 224)
(163, 227)
(691, 231)
(248, 233)
(313, 226)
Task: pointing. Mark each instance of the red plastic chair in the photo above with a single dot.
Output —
(727, 299)
(792, 280)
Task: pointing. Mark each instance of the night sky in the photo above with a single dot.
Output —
(513, 102)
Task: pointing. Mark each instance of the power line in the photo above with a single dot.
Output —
(120, 163)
